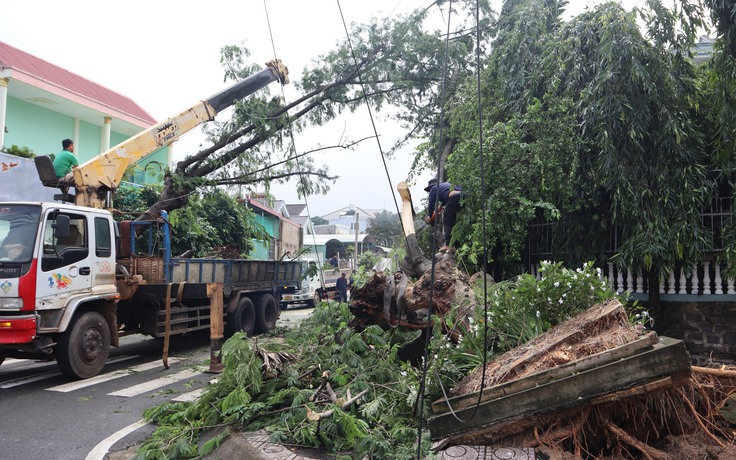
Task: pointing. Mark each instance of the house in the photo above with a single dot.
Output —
(286, 235)
(346, 218)
(320, 242)
(41, 104)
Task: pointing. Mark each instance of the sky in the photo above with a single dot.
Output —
(165, 54)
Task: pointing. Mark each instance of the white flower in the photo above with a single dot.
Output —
(557, 284)
(574, 277)
(598, 270)
(564, 295)
(470, 320)
(560, 301)
(403, 373)
(538, 315)
(549, 300)
(538, 290)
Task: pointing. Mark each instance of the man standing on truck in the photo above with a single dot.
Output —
(65, 161)
(449, 197)
(342, 288)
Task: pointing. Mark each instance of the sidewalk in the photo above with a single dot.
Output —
(256, 446)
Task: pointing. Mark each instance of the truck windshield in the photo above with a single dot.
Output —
(18, 227)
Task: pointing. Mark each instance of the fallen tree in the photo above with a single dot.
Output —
(594, 386)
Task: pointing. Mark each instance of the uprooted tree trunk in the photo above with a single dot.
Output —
(395, 301)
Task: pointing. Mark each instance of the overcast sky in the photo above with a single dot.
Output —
(165, 56)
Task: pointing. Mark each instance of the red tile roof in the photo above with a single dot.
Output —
(16, 59)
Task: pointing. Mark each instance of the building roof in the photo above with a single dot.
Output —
(256, 203)
(37, 72)
(369, 213)
(295, 209)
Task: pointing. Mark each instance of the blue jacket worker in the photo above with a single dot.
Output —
(342, 288)
(449, 197)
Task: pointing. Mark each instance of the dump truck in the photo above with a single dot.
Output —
(73, 280)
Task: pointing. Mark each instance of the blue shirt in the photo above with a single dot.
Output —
(444, 191)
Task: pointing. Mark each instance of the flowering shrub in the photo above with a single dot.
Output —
(518, 311)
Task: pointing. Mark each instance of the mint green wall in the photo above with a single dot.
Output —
(271, 224)
(42, 131)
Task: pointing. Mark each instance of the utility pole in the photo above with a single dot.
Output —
(355, 253)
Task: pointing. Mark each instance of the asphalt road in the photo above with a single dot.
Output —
(44, 415)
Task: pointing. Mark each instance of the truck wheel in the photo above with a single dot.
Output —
(243, 318)
(83, 349)
(266, 313)
(316, 300)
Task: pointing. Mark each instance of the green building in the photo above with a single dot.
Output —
(41, 104)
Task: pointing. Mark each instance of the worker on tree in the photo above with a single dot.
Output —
(65, 161)
(342, 288)
(449, 197)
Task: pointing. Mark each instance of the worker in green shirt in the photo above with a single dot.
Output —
(65, 161)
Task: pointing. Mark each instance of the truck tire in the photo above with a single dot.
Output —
(267, 313)
(83, 349)
(243, 319)
(316, 300)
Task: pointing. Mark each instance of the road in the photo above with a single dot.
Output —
(44, 415)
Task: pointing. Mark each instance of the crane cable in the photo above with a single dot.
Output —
(293, 150)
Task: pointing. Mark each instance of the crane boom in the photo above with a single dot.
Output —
(102, 174)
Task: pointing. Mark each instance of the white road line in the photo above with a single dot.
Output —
(24, 380)
(47, 375)
(145, 387)
(71, 386)
(101, 449)
(190, 396)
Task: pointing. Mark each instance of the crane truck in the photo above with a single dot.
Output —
(73, 280)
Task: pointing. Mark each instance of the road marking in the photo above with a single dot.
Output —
(190, 396)
(145, 387)
(71, 386)
(50, 374)
(101, 449)
(24, 380)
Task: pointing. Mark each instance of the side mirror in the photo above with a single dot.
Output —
(61, 226)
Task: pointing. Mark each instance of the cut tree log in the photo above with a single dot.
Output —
(393, 301)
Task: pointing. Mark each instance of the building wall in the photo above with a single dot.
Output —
(266, 250)
(42, 131)
(708, 328)
(291, 238)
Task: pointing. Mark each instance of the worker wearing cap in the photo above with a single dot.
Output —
(449, 197)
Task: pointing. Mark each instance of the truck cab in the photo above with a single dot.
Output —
(57, 265)
(318, 283)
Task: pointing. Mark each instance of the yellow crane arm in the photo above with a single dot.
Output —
(102, 174)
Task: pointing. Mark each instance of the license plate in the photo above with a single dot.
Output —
(288, 297)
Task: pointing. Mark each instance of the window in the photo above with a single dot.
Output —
(103, 241)
(59, 252)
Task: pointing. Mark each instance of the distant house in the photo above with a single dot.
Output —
(346, 218)
(286, 235)
(41, 104)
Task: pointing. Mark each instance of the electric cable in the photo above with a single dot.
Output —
(433, 245)
(293, 151)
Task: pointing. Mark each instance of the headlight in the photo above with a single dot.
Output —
(11, 303)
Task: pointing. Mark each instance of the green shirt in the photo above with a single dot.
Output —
(63, 163)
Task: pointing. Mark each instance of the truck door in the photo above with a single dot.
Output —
(66, 263)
